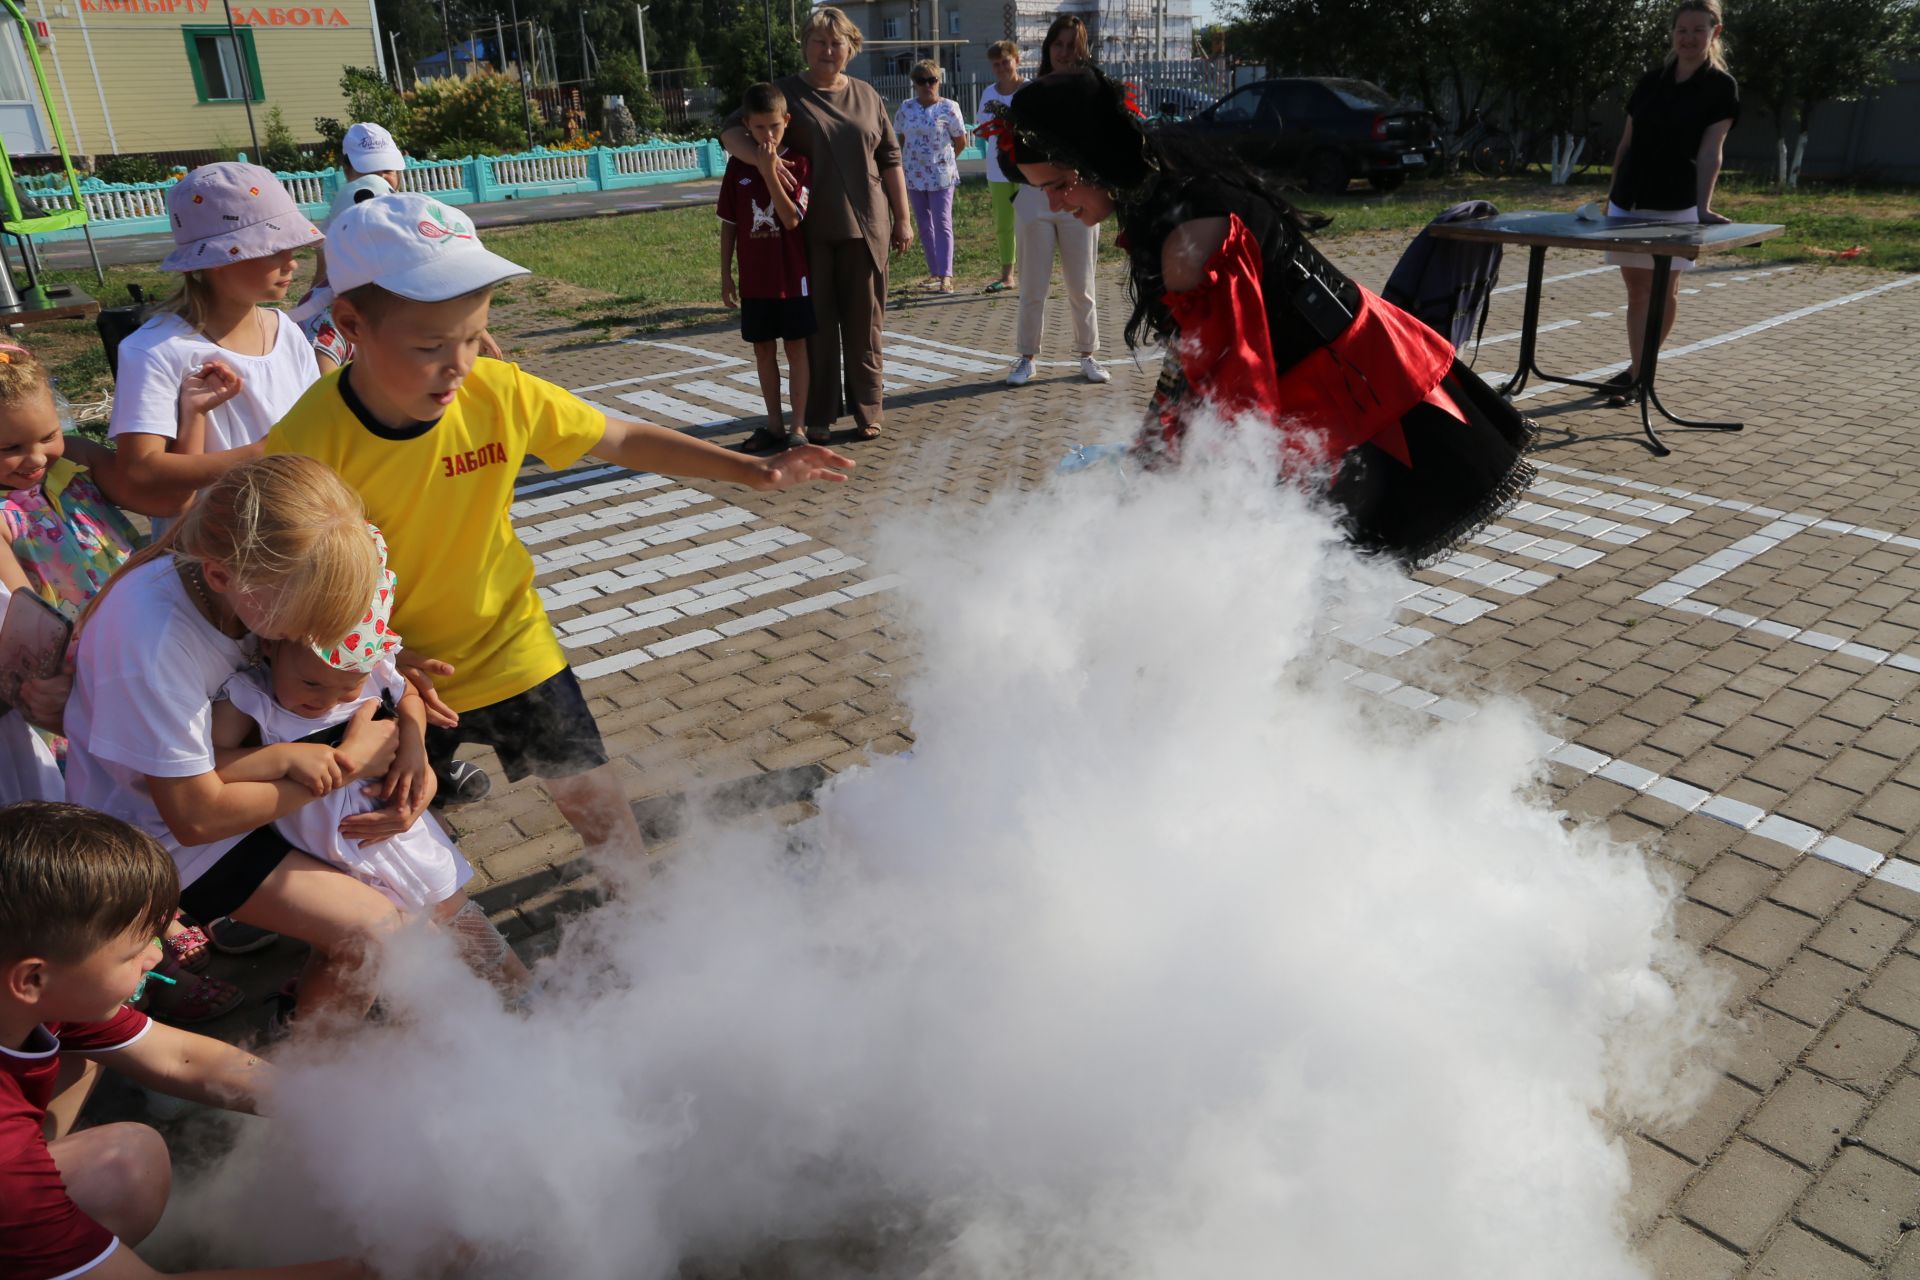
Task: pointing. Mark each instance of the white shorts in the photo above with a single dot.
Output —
(1645, 260)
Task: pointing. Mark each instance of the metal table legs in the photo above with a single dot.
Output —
(1642, 388)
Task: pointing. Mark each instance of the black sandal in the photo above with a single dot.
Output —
(763, 440)
(819, 435)
(1618, 389)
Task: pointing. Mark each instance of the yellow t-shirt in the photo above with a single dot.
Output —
(441, 491)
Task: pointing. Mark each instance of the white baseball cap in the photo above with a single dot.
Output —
(371, 149)
(414, 246)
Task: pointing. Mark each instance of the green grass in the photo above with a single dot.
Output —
(649, 272)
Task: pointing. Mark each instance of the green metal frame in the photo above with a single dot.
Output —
(14, 218)
(245, 39)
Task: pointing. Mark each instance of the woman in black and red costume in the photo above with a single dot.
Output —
(1256, 320)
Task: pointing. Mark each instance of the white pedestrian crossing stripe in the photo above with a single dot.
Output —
(642, 547)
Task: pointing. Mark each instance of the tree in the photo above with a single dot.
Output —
(470, 115)
(1430, 52)
(369, 98)
(620, 74)
(1793, 55)
(1556, 62)
(740, 56)
(280, 153)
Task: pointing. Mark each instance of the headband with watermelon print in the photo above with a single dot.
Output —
(374, 638)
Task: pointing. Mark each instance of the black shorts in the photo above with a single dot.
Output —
(224, 887)
(546, 731)
(776, 319)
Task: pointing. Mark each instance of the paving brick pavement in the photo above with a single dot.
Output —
(1724, 640)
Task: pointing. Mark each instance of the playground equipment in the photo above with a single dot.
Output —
(37, 301)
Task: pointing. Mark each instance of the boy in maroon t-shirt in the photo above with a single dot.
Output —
(761, 218)
(83, 898)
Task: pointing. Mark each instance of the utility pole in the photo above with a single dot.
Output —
(499, 44)
(766, 8)
(519, 54)
(586, 50)
(246, 84)
(640, 21)
(446, 30)
(399, 72)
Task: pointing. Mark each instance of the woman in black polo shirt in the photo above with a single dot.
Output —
(1669, 157)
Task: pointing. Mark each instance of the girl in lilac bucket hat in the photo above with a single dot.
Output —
(235, 233)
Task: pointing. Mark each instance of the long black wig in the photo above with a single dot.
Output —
(1086, 121)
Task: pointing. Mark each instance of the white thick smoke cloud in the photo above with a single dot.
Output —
(1164, 955)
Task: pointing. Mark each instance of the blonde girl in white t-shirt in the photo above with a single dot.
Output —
(275, 549)
(235, 232)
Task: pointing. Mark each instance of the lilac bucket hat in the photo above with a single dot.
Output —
(225, 213)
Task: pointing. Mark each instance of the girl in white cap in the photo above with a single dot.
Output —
(235, 232)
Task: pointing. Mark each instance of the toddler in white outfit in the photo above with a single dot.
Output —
(296, 707)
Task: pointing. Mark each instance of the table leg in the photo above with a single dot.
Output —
(1643, 390)
(1529, 323)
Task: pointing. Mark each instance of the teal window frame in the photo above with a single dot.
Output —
(193, 35)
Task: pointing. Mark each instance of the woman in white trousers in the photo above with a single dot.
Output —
(1040, 233)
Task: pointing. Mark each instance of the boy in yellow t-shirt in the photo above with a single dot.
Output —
(432, 437)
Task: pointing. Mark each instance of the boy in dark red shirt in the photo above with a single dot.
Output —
(83, 898)
(761, 218)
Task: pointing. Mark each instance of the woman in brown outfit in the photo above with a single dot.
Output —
(857, 203)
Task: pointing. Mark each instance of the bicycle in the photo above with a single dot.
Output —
(1481, 143)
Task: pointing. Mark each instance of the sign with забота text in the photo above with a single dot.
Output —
(243, 17)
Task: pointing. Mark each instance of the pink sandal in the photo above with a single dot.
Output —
(190, 948)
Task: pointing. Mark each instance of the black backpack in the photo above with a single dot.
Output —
(1448, 284)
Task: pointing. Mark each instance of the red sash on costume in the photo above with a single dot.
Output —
(1351, 391)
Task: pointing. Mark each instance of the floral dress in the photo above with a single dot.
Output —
(926, 147)
(67, 537)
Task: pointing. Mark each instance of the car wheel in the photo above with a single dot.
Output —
(1386, 181)
(1327, 174)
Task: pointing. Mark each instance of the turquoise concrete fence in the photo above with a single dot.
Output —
(136, 208)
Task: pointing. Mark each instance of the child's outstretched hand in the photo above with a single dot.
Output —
(209, 386)
(803, 464)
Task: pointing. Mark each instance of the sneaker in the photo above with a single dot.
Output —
(461, 782)
(1022, 372)
(1090, 370)
(231, 938)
